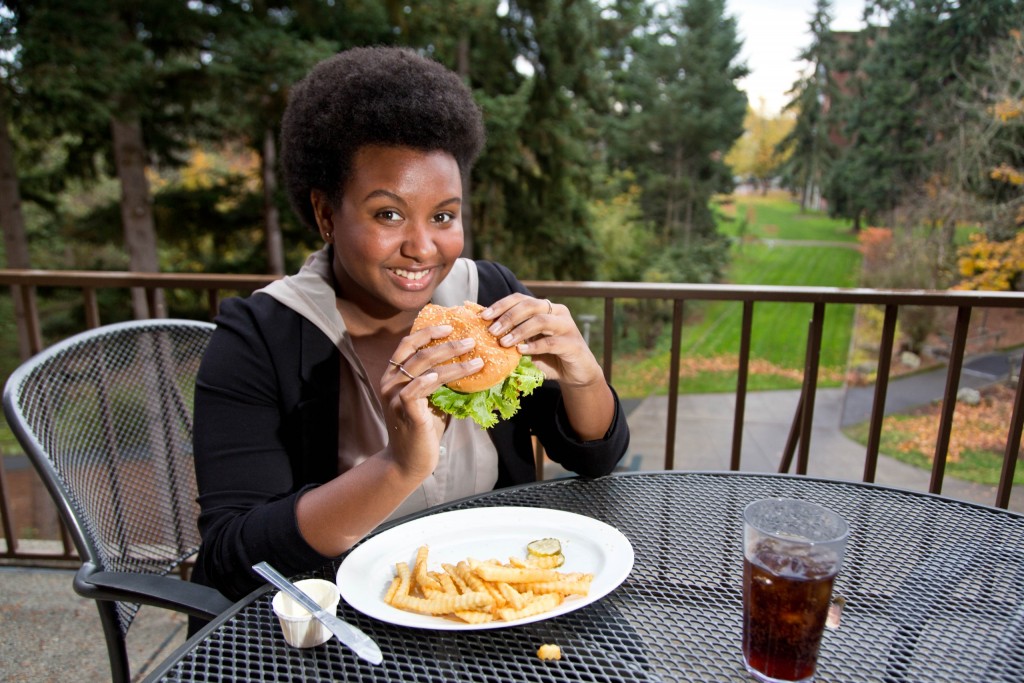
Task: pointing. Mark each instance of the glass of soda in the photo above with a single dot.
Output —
(792, 550)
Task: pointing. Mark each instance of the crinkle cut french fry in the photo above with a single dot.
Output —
(578, 587)
(448, 584)
(511, 595)
(514, 575)
(402, 569)
(477, 584)
(481, 591)
(549, 651)
(392, 590)
(443, 604)
(472, 617)
(541, 603)
(453, 573)
(419, 572)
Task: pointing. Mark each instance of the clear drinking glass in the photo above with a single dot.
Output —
(793, 550)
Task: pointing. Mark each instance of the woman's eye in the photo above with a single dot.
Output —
(389, 215)
(444, 217)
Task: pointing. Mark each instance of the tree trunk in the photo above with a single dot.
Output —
(12, 221)
(136, 210)
(271, 216)
(462, 67)
(673, 200)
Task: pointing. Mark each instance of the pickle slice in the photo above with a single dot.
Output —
(546, 561)
(544, 547)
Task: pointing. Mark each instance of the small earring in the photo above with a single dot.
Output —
(328, 236)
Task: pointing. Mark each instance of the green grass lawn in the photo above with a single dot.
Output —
(777, 325)
(775, 216)
(712, 329)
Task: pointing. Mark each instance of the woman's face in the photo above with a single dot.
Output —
(398, 230)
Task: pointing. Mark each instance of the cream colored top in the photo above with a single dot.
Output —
(467, 462)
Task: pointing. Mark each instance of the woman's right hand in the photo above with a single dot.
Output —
(414, 372)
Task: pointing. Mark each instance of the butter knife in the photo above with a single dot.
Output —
(348, 634)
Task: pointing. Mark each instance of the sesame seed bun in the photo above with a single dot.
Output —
(499, 362)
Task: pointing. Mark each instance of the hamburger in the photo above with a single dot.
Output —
(495, 389)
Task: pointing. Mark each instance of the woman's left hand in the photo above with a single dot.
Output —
(547, 333)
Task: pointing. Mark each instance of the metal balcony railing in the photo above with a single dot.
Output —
(27, 286)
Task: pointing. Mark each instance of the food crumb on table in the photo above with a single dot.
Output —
(548, 651)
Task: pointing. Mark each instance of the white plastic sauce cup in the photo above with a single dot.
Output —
(300, 628)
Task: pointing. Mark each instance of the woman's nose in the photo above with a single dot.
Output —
(419, 241)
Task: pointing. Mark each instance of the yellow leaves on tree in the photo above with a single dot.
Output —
(987, 265)
(1007, 110)
(1007, 174)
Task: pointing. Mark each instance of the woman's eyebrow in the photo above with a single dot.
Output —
(396, 198)
(384, 193)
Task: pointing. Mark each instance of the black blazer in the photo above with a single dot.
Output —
(266, 430)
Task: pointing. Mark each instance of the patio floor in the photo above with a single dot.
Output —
(52, 634)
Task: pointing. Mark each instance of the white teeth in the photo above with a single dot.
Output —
(409, 274)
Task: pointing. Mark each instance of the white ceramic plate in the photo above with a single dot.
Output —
(483, 533)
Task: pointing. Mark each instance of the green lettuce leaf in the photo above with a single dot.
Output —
(485, 407)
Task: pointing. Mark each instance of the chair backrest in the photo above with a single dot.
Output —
(106, 418)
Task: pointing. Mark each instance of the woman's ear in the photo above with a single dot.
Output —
(324, 213)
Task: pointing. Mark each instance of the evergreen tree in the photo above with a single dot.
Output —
(809, 145)
(531, 184)
(681, 112)
(261, 50)
(122, 80)
(915, 71)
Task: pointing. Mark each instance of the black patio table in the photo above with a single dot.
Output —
(933, 591)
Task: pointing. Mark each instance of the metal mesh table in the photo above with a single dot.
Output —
(934, 591)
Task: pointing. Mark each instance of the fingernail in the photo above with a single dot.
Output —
(506, 340)
(476, 363)
(495, 328)
(466, 343)
(487, 314)
(523, 348)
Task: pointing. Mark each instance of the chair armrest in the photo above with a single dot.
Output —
(150, 589)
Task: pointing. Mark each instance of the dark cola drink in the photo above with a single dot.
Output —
(793, 550)
(787, 590)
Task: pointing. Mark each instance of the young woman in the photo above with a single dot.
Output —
(312, 418)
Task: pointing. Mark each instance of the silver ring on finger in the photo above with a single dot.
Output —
(550, 307)
(401, 368)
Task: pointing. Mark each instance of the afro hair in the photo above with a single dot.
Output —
(371, 96)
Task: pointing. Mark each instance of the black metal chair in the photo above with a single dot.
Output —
(106, 419)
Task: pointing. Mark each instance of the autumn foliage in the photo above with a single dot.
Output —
(876, 246)
(975, 428)
(989, 265)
